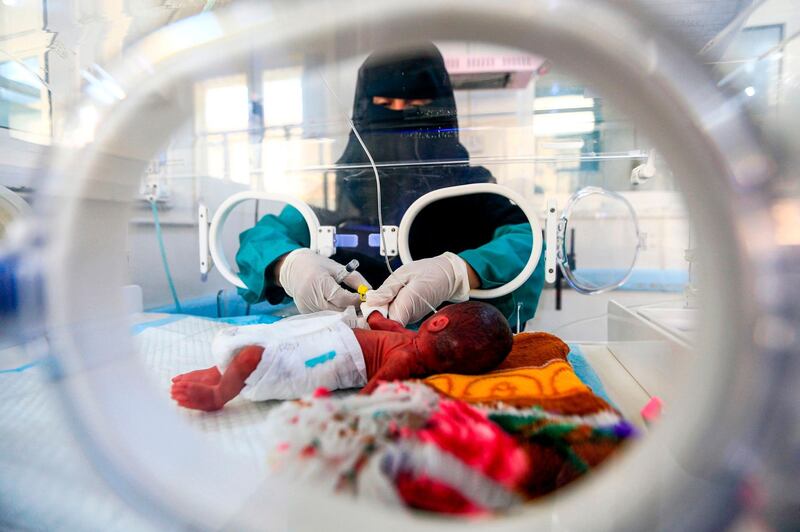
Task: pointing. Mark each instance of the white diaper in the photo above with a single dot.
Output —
(301, 354)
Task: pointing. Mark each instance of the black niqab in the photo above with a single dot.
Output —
(403, 141)
(417, 151)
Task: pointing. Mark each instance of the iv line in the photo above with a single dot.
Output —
(164, 261)
(377, 188)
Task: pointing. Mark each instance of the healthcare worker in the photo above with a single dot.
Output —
(405, 112)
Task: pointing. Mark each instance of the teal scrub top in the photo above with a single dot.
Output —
(495, 263)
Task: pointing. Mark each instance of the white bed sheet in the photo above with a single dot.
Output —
(185, 345)
(47, 483)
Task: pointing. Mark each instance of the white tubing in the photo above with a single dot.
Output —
(224, 210)
(477, 188)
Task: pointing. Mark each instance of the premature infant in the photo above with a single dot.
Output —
(294, 357)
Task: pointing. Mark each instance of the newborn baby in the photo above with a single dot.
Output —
(294, 357)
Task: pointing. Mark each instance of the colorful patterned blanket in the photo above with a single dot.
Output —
(454, 443)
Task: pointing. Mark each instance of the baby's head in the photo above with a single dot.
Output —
(468, 338)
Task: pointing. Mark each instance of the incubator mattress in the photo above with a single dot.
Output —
(178, 344)
(47, 483)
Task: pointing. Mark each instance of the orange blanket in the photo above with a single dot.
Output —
(535, 373)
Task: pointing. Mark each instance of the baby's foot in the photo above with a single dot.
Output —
(197, 395)
(204, 376)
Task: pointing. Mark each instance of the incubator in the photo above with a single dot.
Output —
(645, 196)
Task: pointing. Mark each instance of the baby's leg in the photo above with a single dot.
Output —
(206, 376)
(210, 397)
(197, 395)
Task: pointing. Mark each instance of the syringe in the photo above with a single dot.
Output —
(346, 270)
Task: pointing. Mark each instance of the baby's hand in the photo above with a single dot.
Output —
(197, 395)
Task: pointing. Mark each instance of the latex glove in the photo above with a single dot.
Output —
(366, 310)
(435, 280)
(310, 280)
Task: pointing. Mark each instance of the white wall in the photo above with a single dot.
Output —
(179, 226)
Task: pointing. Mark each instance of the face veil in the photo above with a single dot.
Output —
(402, 140)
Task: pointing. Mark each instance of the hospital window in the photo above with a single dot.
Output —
(283, 101)
(556, 116)
(25, 100)
(285, 150)
(25, 107)
(222, 124)
(753, 62)
(563, 125)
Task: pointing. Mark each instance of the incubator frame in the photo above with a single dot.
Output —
(230, 203)
(561, 240)
(478, 188)
(691, 461)
(11, 206)
(214, 236)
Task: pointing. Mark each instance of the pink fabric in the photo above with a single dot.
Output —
(467, 434)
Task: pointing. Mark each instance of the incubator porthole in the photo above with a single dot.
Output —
(251, 197)
(612, 216)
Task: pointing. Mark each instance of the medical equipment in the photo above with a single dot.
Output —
(395, 239)
(686, 475)
(362, 292)
(322, 237)
(348, 268)
(643, 172)
(325, 245)
(163, 251)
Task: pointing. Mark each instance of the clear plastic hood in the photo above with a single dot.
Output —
(619, 170)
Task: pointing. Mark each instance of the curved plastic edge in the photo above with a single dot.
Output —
(478, 188)
(227, 206)
(562, 255)
(12, 204)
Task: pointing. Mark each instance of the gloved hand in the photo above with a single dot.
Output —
(310, 279)
(366, 310)
(434, 280)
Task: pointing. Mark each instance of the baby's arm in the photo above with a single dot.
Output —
(377, 322)
(206, 396)
(398, 366)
